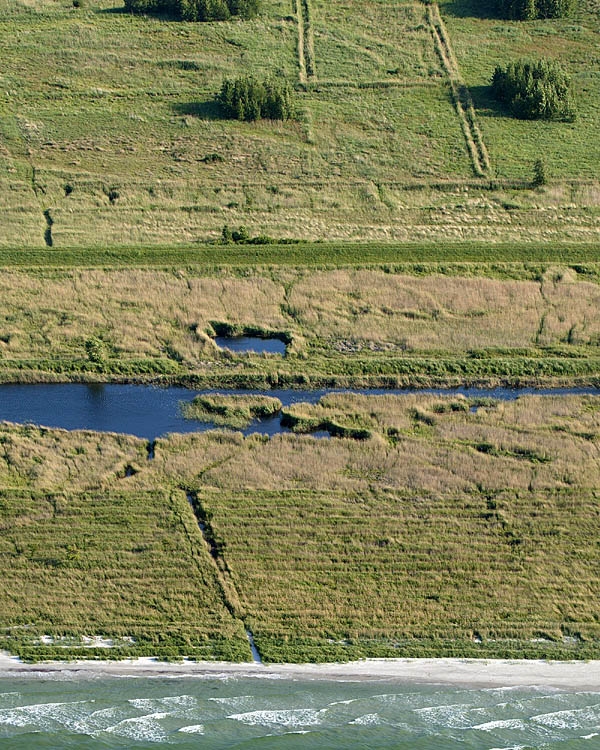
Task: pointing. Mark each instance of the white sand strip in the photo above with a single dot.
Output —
(475, 673)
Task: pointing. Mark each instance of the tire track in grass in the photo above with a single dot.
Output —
(306, 43)
(461, 96)
(300, 23)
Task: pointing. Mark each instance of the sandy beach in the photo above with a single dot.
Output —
(474, 673)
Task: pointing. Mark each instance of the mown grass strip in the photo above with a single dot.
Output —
(304, 254)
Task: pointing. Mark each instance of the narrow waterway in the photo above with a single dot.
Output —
(148, 411)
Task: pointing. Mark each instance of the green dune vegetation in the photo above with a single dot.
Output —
(463, 527)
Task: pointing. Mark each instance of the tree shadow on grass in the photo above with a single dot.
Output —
(486, 105)
(208, 110)
(159, 14)
(112, 11)
(470, 8)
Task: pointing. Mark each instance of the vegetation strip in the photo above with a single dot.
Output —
(461, 95)
(301, 43)
(303, 254)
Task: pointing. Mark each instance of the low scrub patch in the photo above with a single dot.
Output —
(528, 10)
(538, 90)
(249, 99)
(196, 10)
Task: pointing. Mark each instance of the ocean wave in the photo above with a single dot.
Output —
(575, 718)
(454, 716)
(367, 720)
(45, 715)
(193, 729)
(171, 702)
(293, 717)
(141, 728)
(489, 726)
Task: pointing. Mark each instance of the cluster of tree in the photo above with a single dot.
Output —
(528, 10)
(250, 99)
(196, 10)
(535, 90)
(242, 236)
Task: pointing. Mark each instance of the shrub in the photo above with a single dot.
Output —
(250, 99)
(539, 173)
(197, 10)
(535, 90)
(96, 350)
(527, 10)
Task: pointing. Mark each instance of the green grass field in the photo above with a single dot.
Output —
(95, 100)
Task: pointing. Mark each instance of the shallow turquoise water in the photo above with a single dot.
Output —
(245, 712)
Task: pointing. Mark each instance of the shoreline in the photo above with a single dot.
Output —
(470, 673)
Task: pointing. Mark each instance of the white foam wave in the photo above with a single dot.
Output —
(170, 701)
(142, 728)
(489, 726)
(97, 720)
(576, 718)
(193, 729)
(367, 720)
(294, 717)
(589, 736)
(45, 715)
(454, 716)
(234, 700)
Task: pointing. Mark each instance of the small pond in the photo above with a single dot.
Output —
(148, 411)
(251, 344)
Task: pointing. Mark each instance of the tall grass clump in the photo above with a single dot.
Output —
(197, 10)
(249, 99)
(528, 10)
(538, 90)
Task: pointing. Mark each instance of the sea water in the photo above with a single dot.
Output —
(43, 711)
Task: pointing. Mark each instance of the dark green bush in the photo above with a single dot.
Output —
(196, 10)
(528, 10)
(535, 90)
(250, 99)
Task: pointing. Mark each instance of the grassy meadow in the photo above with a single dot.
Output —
(373, 325)
(110, 134)
(461, 527)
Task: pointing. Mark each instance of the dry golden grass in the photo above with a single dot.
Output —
(419, 444)
(152, 313)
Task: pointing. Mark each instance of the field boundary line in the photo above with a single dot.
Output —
(382, 84)
(300, 24)
(461, 96)
(309, 41)
(306, 42)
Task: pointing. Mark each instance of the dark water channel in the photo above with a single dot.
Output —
(149, 412)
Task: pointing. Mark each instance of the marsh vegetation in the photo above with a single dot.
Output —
(408, 324)
(459, 527)
(230, 411)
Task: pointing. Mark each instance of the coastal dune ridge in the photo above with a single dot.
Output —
(469, 673)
